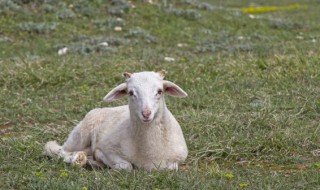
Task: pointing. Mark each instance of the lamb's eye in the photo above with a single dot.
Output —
(130, 93)
(160, 91)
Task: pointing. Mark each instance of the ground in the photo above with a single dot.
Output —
(251, 120)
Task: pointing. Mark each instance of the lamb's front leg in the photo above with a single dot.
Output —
(112, 160)
(173, 166)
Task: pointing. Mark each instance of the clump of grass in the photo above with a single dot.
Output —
(65, 14)
(112, 41)
(84, 8)
(282, 24)
(27, 1)
(47, 8)
(119, 8)
(38, 28)
(207, 7)
(189, 14)
(88, 45)
(139, 33)
(109, 23)
(201, 5)
(223, 41)
(208, 47)
(8, 7)
(240, 47)
(82, 48)
(5, 39)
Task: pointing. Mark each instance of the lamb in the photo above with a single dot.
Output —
(143, 134)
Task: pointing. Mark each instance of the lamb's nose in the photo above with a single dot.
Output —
(146, 113)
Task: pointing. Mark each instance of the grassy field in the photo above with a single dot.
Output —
(252, 117)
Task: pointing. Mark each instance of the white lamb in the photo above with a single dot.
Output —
(143, 134)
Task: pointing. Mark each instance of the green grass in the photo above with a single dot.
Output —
(251, 120)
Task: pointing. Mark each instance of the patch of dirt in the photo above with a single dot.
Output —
(5, 129)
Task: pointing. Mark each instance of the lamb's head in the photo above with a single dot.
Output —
(145, 91)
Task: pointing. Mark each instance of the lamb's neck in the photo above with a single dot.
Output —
(151, 140)
(153, 131)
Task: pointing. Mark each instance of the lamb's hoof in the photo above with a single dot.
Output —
(79, 159)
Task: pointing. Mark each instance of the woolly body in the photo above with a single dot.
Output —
(143, 134)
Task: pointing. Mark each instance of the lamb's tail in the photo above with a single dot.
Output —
(52, 149)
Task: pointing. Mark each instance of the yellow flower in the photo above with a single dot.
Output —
(229, 176)
(271, 8)
(243, 185)
(63, 173)
(85, 87)
(38, 173)
(84, 188)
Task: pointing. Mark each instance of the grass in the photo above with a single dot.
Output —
(251, 120)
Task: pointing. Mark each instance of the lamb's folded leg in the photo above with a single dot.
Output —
(52, 148)
(112, 160)
(173, 166)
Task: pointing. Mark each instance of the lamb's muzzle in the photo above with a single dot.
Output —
(146, 114)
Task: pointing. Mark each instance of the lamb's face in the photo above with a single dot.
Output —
(145, 91)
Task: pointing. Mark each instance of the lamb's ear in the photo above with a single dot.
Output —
(116, 93)
(173, 89)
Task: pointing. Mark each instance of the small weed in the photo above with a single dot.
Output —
(140, 33)
(243, 185)
(119, 8)
(87, 45)
(84, 8)
(66, 14)
(39, 173)
(8, 7)
(63, 173)
(285, 25)
(187, 14)
(38, 28)
(229, 176)
(201, 5)
(109, 23)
